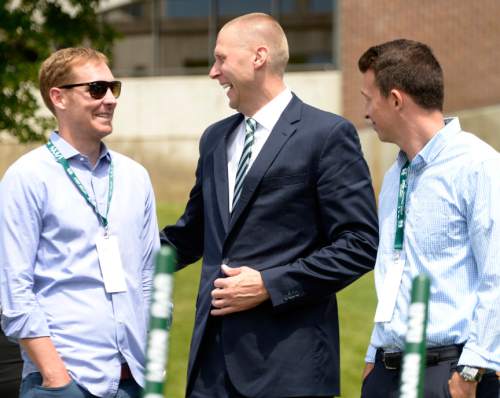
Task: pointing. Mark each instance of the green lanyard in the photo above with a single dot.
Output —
(71, 174)
(400, 213)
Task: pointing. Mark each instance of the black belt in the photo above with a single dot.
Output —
(392, 360)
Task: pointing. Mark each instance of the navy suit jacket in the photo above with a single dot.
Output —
(306, 219)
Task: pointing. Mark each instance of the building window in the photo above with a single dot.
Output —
(186, 8)
(164, 37)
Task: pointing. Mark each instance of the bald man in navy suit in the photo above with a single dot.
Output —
(283, 214)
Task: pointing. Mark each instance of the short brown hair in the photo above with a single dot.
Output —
(57, 69)
(409, 66)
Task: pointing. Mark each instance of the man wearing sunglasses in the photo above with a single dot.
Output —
(78, 232)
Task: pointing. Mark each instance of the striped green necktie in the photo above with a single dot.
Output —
(250, 126)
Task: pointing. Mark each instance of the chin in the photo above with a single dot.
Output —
(382, 137)
(233, 105)
(104, 127)
(105, 132)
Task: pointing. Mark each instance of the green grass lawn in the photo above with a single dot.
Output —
(356, 307)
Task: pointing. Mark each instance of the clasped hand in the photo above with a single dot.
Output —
(241, 289)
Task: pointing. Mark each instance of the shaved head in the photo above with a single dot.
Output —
(258, 29)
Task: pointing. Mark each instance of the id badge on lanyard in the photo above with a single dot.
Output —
(108, 251)
(394, 270)
(107, 246)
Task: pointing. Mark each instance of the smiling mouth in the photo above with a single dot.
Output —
(227, 87)
(107, 116)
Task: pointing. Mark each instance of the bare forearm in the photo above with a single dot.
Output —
(44, 355)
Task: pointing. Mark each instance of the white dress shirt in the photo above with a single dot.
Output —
(266, 119)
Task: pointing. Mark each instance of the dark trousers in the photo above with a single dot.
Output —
(31, 386)
(211, 379)
(384, 383)
(11, 366)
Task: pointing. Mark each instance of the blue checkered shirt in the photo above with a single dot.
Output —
(452, 234)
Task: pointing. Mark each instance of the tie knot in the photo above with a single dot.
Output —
(250, 125)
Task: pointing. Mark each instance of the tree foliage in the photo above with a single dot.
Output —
(29, 31)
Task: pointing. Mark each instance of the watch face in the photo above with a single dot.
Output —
(470, 373)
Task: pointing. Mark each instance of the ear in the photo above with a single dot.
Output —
(261, 57)
(57, 97)
(396, 98)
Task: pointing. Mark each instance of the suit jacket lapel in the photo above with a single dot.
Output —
(282, 131)
(220, 171)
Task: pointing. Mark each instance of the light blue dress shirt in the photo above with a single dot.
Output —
(452, 234)
(50, 277)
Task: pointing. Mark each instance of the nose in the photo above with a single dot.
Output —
(214, 71)
(109, 98)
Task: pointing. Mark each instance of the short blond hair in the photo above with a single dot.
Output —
(263, 27)
(57, 69)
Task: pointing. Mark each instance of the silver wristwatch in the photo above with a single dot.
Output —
(469, 373)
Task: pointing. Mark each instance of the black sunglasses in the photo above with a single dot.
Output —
(99, 88)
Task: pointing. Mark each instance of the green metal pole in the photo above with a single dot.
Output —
(412, 373)
(159, 324)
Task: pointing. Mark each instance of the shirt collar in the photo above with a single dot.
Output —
(432, 149)
(69, 152)
(269, 114)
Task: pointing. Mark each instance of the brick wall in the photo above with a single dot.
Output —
(464, 35)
